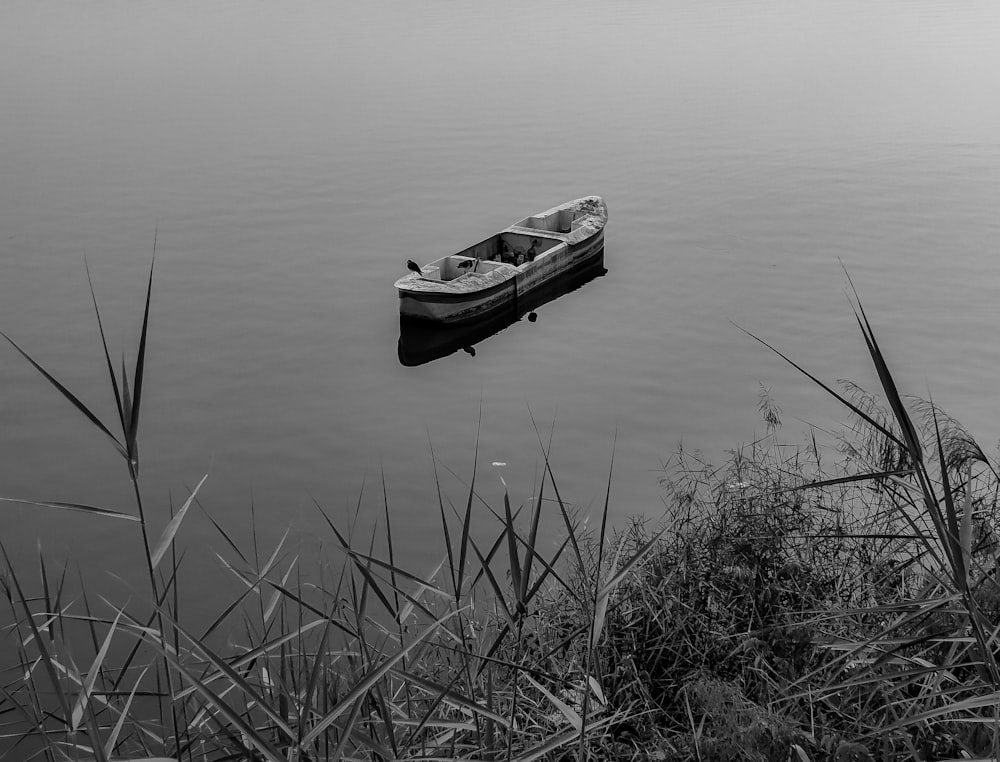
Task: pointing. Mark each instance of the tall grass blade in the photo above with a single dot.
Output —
(515, 563)
(92, 673)
(273, 558)
(463, 544)
(452, 569)
(345, 736)
(888, 383)
(46, 627)
(109, 745)
(140, 364)
(223, 533)
(570, 531)
(604, 593)
(529, 555)
(107, 354)
(951, 539)
(495, 587)
(965, 530)
(94, 732)
(276, 595)
(910, 436)
(600, 602)
(92, 509)
(370, 584)
(549, 569)
(305, 708)
(388, 539)
(491, 744)
(47, 599)
(91, 619)
(422, 588)
(853, 478)
(73, 399)
(167, 538)
(574, 719)
(423, 583)
(494, 549)
(126, 403)
(839, 397)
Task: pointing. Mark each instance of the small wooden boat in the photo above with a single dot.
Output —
(493, 274)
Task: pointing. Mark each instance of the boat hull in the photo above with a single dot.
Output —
(421, 341)
(423, 298)
(454, 309)
(448, 308)
(576, 256)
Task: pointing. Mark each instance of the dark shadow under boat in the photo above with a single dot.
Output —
(421, 342)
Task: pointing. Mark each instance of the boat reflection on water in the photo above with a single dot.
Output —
(421, 342)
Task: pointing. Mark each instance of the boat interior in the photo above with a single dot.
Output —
(457, 265)
(486, 256)
(556, 221)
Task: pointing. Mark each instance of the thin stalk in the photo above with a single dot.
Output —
(591, 653)
(154, 590)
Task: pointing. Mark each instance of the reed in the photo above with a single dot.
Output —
(797, 602)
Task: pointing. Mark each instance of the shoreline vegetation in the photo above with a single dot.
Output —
(795, 603)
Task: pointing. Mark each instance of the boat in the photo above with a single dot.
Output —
(493, 274)
(421, 341)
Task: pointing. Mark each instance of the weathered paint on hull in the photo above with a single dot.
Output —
(440, 309)
(446, 309)
(560, 263)
(421, 341)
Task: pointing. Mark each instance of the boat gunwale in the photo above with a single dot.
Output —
(432, 295)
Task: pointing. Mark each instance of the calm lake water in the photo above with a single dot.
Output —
(289, 159)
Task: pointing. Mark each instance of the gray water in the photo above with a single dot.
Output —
(289, 159)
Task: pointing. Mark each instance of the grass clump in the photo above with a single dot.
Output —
(800, 603)
(828, 604)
